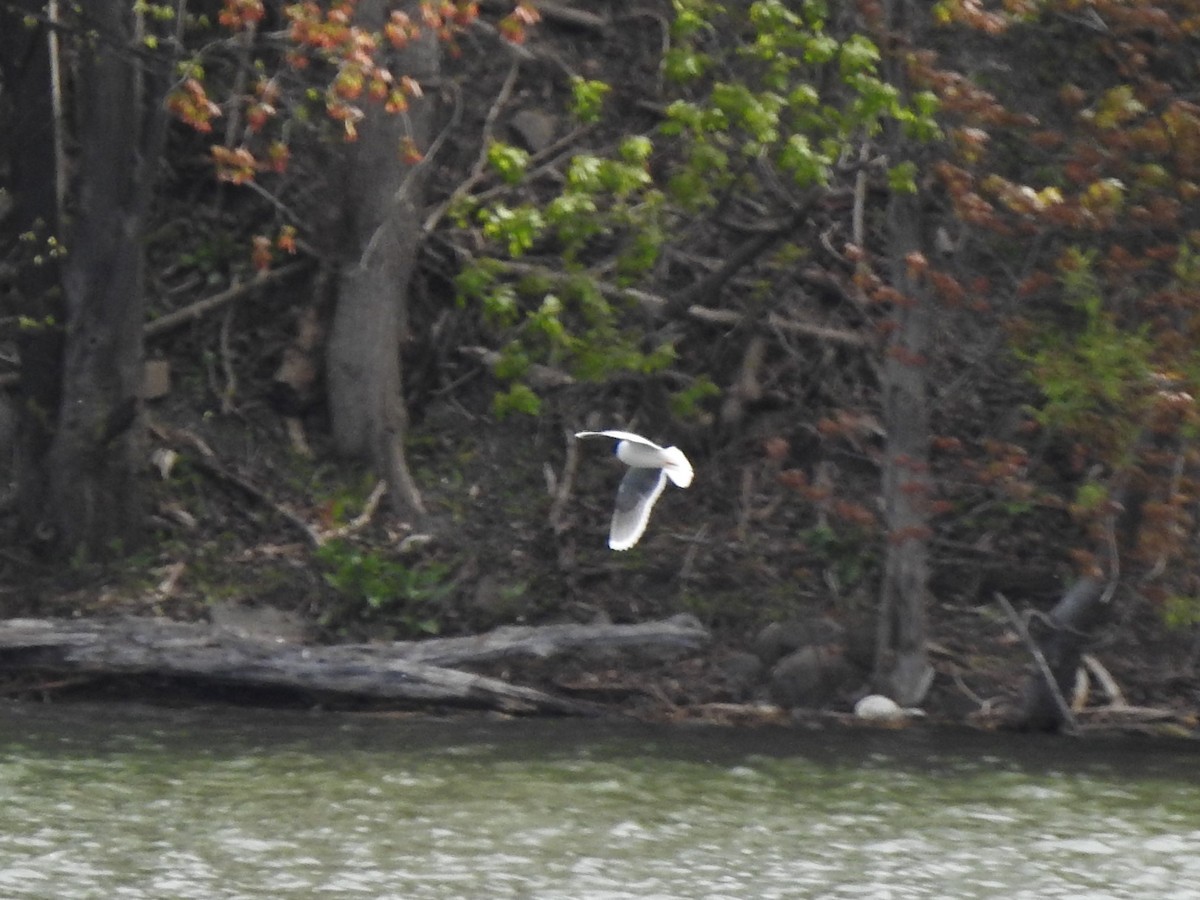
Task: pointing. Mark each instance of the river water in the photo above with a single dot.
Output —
(140, 802)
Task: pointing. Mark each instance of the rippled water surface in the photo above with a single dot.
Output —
(135, 802)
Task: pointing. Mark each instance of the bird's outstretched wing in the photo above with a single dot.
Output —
(636, 496)
(620, 436)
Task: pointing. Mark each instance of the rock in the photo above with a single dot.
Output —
(809, 677)
(860, 641)
(156, 379)
(534, 128)
(741, 673)
(779, 639)
(878, 708)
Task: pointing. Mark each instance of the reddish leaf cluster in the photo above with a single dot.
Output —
(333, 37)
(329, 35)
(263, 248)
(236, 165)
(1114, 207)
(190, 104)
(239, 14)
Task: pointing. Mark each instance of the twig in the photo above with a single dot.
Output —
(711, 285)
(659, 305)
(558, 12)
(207, 461)
(1109, 684)
(537, 375)
(568, 15)
(243, 42)
(56, 106)
(489, 121)
(540, 163)
(545, 160)
(664, 46)
(200, 308)
(478, 170)
(974, 697)
(402, 192)
(562, 495)
(229, 390)
(295, 433)
(687, 568)
(286, 211)
(733, 318)
(858, 212)
(1064, 710)
(360, 521)
(747, 494)
(746, 387)
(1114, 560)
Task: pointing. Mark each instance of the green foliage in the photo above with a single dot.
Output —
(1181, 612)
(1117, 107)
(688, 403)
(757, 87)
(374, 584)
(587, 98)
(792, 91)
(1094, 376)
(564, 319)
(516, 228)
(507, 161)
(163, 12)
(561, 319)
(29, 323)
(847, 554)
(1091, 496)
(518, 398)
(902, 178)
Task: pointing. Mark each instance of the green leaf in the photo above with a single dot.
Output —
(587, 98)
(806, 165)
(519, 398)
(858, 55)
(507, 161)
(819, 49)
(636, 149)
(902, 177)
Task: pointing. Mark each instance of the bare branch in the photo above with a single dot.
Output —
(200, 308)
(1070, 726)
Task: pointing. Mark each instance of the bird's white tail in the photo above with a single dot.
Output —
(677, 467)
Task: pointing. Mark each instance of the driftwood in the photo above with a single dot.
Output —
(1049, 682)
(682, 631)
(416, 672)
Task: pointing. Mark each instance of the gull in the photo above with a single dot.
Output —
(649, 468)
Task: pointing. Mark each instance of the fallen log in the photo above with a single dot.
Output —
(680, 632)
(414, 672)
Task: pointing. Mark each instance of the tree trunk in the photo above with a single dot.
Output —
(902, 667)
(382, 200)
(35, 274)
(93, 497)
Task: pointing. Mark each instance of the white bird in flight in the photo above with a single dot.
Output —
(649, 468)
